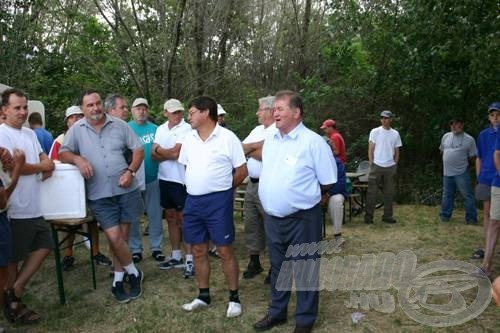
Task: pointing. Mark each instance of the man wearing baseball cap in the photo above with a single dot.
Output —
(485, 168)
(145, 131)
(221, 113)
(383, 154)
(458, 149)
(171, 174)
(329, 127)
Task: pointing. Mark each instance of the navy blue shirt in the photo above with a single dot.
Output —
(339, 186)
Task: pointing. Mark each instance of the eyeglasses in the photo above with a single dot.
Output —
(190, 113)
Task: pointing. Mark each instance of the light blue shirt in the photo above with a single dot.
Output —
(293, 167)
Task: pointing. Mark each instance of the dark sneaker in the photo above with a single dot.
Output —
(471, 222)
(172, 263)
(136, 257)
(135, 285)
(189, 270)
(67, 263)
(158, 256)
(252, 270)
(388, 220)
(120, 295)
(101, 259)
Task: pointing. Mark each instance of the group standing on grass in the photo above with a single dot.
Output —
(188, 171)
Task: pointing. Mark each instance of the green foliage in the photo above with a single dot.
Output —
(426, 61)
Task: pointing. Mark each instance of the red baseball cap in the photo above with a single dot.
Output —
(328, 123)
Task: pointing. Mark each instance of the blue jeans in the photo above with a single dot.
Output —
(463, 184)
(151, 197)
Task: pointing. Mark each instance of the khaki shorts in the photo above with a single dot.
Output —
(495, 203)
(29, 235)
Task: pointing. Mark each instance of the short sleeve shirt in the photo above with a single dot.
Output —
(172, 170)
(104, 151)
(386, 141)
(485, 150)
(258, 134)
(293, 168)
(210, 163)
(337, 141)
(25, 200)
(146, 135)
(457, 149)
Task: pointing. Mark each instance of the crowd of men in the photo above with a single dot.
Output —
(187, 172)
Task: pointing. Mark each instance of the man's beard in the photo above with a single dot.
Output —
(96, 117)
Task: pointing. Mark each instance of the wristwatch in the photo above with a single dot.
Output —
(131, 171)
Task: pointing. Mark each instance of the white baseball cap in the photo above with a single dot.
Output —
(139, 101)
(173, 105)
(75, 109)
(220, 110)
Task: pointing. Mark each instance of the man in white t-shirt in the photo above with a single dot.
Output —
(31, 238)
(255, 236)
(171, 174)
(215, 165)
(383, 154)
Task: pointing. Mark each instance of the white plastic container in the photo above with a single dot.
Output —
(63, 194)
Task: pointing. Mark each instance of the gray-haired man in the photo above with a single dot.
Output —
(255, 236)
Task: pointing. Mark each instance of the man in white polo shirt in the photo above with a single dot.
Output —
(297, 170)
(383, 154)
(171, 173)
(255, 236)
(215, 165)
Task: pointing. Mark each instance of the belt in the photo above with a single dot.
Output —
(254, 180)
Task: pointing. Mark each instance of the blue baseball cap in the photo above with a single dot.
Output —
(495, 106)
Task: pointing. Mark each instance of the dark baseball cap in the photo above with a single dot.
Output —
(495, 106)
(455, 120)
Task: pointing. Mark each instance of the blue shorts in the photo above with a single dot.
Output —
(5, 240)
(172, 195)
(123, 208)
(209, 216)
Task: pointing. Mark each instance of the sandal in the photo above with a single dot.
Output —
(477, 254)
(16, 312)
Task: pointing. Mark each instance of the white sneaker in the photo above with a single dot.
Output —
(233, 310)
(195, 304)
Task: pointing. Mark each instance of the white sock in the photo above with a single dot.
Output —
(176, 254)
(189, 258)
(118, 277)
(131, 269)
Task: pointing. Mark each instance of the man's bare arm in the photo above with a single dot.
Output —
(371, 149)
(239, 175)
(162, 154)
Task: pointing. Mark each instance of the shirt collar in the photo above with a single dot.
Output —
(179, 124)
(107, 119)
(215, 133)
(293, 134)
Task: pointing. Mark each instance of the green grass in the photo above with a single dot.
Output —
(158, 310)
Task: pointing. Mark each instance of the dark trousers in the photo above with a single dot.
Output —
(302, 227)
(382, 178)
